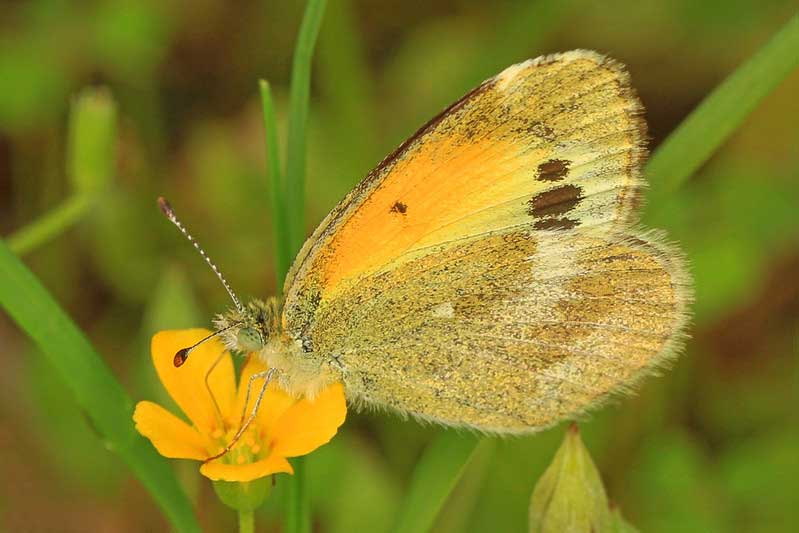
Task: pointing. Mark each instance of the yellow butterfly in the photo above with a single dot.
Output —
(489, 273)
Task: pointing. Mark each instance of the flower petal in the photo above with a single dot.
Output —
(171, 436)
(186, 384)
(275, 401)
(219, 471)
(309, 424)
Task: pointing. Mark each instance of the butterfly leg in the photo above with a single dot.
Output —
(208, 386)
(243, 425)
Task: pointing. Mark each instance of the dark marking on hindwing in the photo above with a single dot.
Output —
(551, 207)
(556, 223)
(399, 207)
(553, 170)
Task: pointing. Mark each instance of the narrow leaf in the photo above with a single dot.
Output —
(718, 116)
(435, 476)
(298, 518)
(92, 384)
(298, 119)
(277, 196)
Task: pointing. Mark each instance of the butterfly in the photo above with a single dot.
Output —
(490, 273)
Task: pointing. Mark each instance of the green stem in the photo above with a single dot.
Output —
(298, 516)
(50, 225)
(720, 114)
(298, 119)
(246, 522)
(276, 188)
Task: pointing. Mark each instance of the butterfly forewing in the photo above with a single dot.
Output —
(552, 143)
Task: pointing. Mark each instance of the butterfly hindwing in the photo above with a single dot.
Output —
(507, 332)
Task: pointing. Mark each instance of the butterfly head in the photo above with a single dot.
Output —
(244, 328)
(257, 328)
(250, 328)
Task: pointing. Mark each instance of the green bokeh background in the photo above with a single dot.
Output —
(710, 446)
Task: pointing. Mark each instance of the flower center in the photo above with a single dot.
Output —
(248, 449)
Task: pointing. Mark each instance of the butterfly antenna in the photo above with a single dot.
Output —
(183, 354)
(170, 214)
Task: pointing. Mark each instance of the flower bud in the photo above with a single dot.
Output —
(92, 140)
(570, 497)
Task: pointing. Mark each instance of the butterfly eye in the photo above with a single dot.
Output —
(249, 340)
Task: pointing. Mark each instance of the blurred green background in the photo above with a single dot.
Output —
(710, 446)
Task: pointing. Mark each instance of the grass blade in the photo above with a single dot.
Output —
(297, 505)
(435, 476)
(298, 119)
(277, 194)
(717, 117)
(94, 388)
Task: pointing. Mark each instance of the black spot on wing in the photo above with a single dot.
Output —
(553, 170)
(556, 223)
(399, 207)
(555, 202)
(551, 207)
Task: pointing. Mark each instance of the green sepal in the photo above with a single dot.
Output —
(244, 497)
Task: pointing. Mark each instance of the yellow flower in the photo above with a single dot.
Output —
(284, 427)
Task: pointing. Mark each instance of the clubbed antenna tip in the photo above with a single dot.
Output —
(166, 209)
(181, 356)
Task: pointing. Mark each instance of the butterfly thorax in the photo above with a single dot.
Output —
(258, 329)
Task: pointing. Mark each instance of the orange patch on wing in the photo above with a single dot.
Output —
(430, 197)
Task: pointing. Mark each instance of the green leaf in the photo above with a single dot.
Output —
(435, 476)
(298, 119)
(92, 384)
(277, 195)
(720, 114)
(458, 511)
